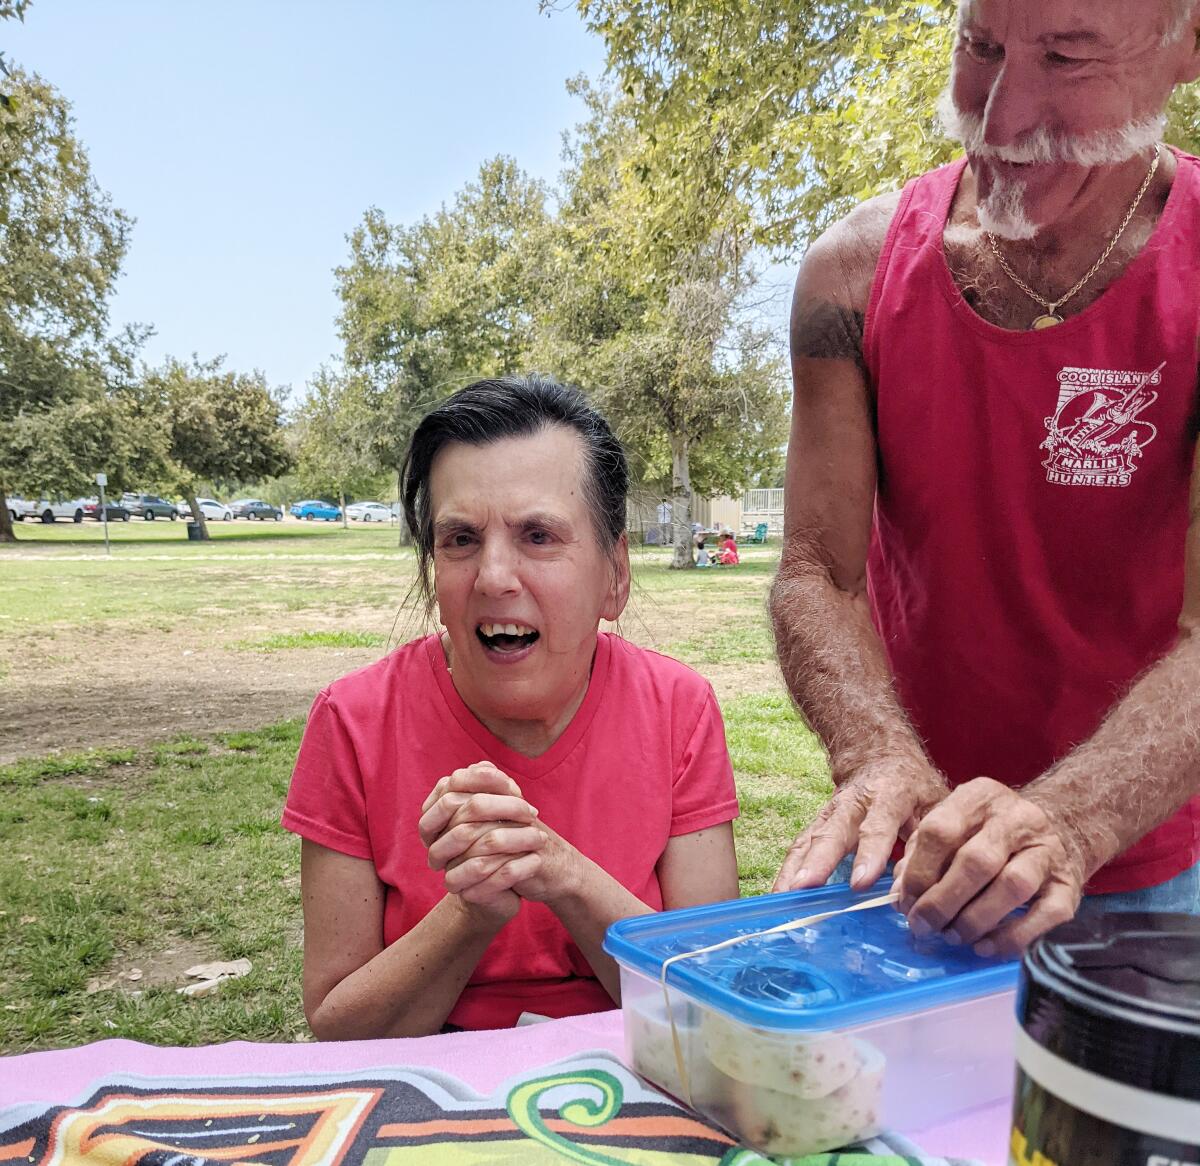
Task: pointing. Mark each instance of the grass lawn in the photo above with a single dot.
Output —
(122, 866)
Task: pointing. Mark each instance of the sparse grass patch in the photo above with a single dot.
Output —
(90, 879)
(34, 770)
(283, 641)
(782, 779)
(747, 640)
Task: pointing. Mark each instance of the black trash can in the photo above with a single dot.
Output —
(193, 532)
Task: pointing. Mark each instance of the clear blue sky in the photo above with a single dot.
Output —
(248, 137)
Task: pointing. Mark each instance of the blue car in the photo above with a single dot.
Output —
(315, 508)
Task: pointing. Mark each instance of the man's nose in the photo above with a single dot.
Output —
(498, 573)
(1014, 107)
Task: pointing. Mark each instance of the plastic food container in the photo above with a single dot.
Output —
(814, 1038)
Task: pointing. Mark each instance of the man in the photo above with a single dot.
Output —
(989, 599)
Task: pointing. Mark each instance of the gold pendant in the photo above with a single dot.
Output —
(1047, 321)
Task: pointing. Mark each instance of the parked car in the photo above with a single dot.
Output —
(369, 512)
(48, 510)
(242, 505)
(210, 508)
(149, 506)
(315, 508)
(19, 509)
(263, 511)
(116, 512)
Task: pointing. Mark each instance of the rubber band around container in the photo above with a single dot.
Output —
(791, 925)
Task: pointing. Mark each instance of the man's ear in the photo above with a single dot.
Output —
(1189, 66)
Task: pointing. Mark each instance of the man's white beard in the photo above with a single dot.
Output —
(1003, 212)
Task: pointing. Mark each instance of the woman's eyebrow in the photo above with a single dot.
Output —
(543, 520)
(450, 524)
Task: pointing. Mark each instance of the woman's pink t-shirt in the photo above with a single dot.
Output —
(643, 760)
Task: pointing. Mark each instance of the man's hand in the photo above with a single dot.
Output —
(869, 812)
(979, 855)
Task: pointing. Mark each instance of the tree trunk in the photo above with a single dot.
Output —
(342, 504)
(198, 515)
(681, 504)
(7, 534)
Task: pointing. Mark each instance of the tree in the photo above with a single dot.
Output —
(334, 438)
(429, 307)
(658, 333)
(669, 382)
(10, 10)
(220, 426)
(61, 246)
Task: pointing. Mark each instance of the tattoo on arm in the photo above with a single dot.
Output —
(826, 331)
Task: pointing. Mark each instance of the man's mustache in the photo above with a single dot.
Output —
(1043, 145)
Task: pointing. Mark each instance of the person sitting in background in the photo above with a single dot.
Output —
(463, 802)
(727, 552)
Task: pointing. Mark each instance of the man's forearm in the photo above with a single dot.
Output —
(1139, 768)
(835, 667)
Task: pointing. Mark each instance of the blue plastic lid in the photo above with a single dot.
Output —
(835, 974)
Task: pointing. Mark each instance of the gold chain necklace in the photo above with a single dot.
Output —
(1051, 316)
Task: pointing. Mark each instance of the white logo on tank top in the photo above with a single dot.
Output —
(1097, 433)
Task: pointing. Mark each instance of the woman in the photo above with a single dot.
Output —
(481, 804)
(728, 552)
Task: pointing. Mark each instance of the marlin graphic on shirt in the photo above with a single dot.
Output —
(1096, 433)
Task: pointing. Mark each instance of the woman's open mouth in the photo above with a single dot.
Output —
(506, 639)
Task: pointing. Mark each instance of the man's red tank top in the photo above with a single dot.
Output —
(1028, 549)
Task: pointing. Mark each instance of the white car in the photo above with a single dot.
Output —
(369, 512)
(48, 510)
(19, 509)
(210, 508)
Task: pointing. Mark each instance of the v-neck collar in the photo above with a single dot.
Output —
(1027, 337)
(507, 758)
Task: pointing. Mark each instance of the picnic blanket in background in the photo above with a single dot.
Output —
(118, 1103)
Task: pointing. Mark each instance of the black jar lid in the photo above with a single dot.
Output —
(1118, 994)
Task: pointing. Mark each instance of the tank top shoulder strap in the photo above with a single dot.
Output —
(1187, 178)
(913, 237)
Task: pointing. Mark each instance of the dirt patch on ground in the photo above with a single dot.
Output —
(117, 686)
(161, 968)
(91, 687)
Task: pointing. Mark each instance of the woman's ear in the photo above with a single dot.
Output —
(618, 591)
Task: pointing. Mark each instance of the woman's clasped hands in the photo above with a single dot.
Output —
(480, 830)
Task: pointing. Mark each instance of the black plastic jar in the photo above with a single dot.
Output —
(1108, 1049)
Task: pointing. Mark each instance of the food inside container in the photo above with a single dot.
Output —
(810, 1039)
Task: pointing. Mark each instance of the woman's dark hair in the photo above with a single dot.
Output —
(491, 410)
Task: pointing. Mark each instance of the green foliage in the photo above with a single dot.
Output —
(67, 405)
(218, 425)
(430, 307)
(659, 334)
(334, 433)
